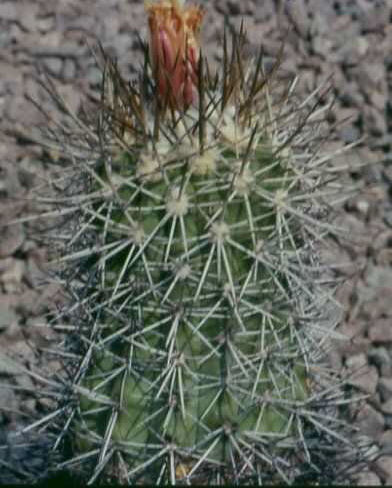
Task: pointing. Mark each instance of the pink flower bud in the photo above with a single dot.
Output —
(174, 51)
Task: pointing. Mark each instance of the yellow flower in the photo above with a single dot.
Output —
(174, 50)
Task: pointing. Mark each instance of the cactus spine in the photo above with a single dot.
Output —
(200, 314)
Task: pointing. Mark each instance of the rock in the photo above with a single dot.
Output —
(12, 237)
(384, 257)
(349, 133)
(382, 240)
(8, 400)
(367, 478)
(374, 121)
(54, 65)
(8, 11)
(370, 421)
(11, 274)
(356, 345)
(28, 12)
(35, 275)
(384, 466)
(381, 331)
(386, 442)
(380, 357)
(7, 315)
(376, 303)
(388, 421)
(356, 233)
(8, 365)
(351, 96)
(94, 75)
(69, 70)
(375, 18)
(387, 407)
(365, 379)
(385, 388)
(298, 15)
(378, 276)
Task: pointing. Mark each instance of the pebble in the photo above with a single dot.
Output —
(384, 465)
(367, 478)
(8, 365)
(8, 315)
(386, 442)
(381, 331)
(387, 407)
(12, 238)
(380, 357)
(370, 421)
(11, 274)
(385, 388)
(8, 11)
(365, 379)
(53, 65)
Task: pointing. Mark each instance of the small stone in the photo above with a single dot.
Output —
(385, 388)
(8, 400)
(29, 406)
(297, 13)
(28, 12)
(365, 379)
(380, 357)
(53, 65)
(35, 275)
(9, 366)
(11, 274)
(376, 300)
(357, 362)
(94, 75)
(356, 232)
(8, 11)
(350, 95)
(388, 421)
(374, 121)
(384, 257)
(367, 478)
(7, 315)
(382, 240)
(362, 206)
(69, 70)
(377, 277)
(387, 407)
(381, 331)
(357, 345)
(12, 237)
(386, 441)
(384, 465)
(370, 422)
(349, 133)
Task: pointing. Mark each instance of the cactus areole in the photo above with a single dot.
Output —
(200, 317)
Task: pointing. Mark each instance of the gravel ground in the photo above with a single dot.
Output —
(348, 39)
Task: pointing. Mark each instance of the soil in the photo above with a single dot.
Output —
(346, 43)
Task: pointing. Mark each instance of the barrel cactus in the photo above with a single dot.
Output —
(193, 210)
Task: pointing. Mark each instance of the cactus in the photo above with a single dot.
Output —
(193, 214)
